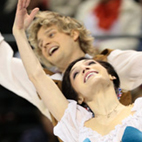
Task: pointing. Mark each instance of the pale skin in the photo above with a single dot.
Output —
(67, 47)
(22, 21)
(102, 100)
(63, 56)
(67, 51)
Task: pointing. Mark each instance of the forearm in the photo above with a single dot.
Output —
(46, 88)
(28, 57)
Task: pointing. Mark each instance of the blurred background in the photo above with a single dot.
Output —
(115, 24)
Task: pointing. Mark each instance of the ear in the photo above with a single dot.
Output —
(112, 77)
(75, 35)
(80, 100)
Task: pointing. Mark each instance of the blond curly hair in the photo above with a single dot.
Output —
(66, 25)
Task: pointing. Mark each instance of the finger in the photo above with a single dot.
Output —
(19, 5)
(24, 3)
(27, 3)
(34, 12)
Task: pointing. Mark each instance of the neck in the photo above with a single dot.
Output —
(76, 55)
(104, 103)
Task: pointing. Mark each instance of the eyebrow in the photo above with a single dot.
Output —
(47, 31)
(75, 67)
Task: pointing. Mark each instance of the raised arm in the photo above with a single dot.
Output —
(49, 92)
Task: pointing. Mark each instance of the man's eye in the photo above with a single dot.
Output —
(92, 62)
(74, 75)
(51, 34)
(40, 45)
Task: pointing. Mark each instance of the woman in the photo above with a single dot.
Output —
(95, 85)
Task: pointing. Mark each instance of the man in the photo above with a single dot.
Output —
(58, 41)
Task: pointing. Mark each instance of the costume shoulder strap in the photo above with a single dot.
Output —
(48, 71)
(103, 55)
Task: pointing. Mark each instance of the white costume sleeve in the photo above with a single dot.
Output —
(69, 128)
(14, 77)
(128, 66)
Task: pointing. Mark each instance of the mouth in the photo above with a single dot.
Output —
(89, 74)
(52, 50)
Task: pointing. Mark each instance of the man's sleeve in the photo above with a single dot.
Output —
(14, 77)
(128, 65)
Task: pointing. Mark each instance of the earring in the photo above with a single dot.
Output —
(119, 93)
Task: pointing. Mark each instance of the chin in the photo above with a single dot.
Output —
(94, 82)
(57, 60)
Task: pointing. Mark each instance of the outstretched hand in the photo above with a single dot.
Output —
(22, 18)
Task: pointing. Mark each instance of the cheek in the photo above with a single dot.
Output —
(44, 53)
(60, 37)
(78, 87)
(75, 84)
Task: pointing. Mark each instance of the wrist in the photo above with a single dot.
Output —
(18, 32)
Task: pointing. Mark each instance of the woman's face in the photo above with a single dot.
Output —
(88, 76)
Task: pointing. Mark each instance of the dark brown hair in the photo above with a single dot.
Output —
(69, 91)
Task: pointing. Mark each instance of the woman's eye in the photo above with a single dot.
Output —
(92, 62)
(74, 75)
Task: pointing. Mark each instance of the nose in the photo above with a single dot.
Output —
(85, 68)
(45, 43)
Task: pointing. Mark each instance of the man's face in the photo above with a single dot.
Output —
(57, 47)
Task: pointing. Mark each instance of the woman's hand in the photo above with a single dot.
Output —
(22, 18)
